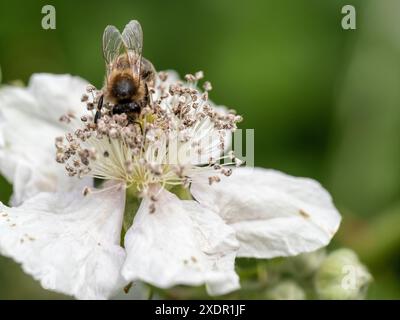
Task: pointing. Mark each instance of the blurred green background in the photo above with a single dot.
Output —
(324, 102)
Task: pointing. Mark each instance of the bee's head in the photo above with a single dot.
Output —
(123, 87)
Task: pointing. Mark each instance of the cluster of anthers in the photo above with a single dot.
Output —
(177, 136)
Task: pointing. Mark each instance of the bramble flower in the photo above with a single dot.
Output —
(174, 206)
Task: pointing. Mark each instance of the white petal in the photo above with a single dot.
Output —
(274, 214)
(70, 243)
(180, 243)
(27, 131)
(57, 95)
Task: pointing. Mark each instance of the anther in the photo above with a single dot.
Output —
(213, 179)
(207, 86)
(86, 191)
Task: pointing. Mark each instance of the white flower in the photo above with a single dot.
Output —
(71, 236)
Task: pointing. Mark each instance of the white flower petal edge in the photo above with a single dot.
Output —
(181, 243)
(274, 214)
(28, 126)
(57, 95)
(70, 243)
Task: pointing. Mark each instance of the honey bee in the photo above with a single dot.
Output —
(128, 74)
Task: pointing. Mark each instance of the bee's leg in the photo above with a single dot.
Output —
(140, 126)
(148, 96)
(99, 106)
(134, 108)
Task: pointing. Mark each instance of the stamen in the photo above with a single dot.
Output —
(163, 146)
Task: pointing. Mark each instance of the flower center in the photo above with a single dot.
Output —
(176, 136)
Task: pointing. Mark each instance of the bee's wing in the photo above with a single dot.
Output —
(112, 45)
(132, 37)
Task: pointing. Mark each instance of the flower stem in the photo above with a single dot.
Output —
(132, 204)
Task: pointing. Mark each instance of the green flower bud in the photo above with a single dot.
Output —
(286, 290)
(305, 264)
(342, 276)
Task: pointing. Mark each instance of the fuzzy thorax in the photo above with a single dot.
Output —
(124, 86)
